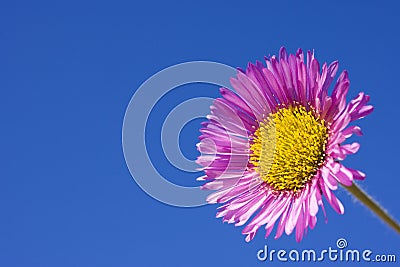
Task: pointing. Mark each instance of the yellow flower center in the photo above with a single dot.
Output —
(289, 147)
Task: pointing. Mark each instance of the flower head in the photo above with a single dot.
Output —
(274, 148)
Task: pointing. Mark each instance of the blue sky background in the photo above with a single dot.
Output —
(67, 73)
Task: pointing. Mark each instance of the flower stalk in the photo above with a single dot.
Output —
(370, 203)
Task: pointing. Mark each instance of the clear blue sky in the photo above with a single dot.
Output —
(67, 73)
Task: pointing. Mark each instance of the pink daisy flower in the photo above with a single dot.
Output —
(274, 148)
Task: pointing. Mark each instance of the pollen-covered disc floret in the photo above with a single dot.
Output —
(273, 149)
(289, 147)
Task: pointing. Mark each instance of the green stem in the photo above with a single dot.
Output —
(362, 196)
